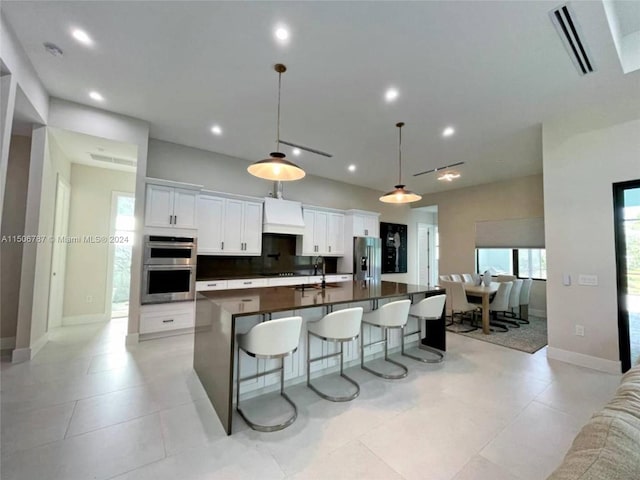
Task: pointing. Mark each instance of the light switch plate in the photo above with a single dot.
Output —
(588, 280)
(566, 279)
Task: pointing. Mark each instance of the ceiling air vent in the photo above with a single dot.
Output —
(563, 19)
(114, 160)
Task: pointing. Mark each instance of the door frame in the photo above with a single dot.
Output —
(56, 244)
(624, 341)
(112, 249)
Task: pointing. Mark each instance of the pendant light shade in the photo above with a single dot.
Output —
(277, 167)
(400, 194)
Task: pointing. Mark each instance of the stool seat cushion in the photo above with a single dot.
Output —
(393, 314)
(275, 337)
(429, 308)
(339, 325)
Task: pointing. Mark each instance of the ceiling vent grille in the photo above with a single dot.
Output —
(114, 160)
(563, 19)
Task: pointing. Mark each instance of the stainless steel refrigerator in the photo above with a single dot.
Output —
(367, 259)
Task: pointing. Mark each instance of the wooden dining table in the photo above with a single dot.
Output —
(483, 292)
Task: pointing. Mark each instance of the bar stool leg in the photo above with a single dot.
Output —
(331, 398)
(405, 370)
(440, 355)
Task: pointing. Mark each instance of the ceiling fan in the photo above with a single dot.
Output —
(438, 169)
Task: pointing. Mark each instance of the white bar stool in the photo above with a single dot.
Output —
(390, 315)
(429, 308)
(272, 339)
(340, 326)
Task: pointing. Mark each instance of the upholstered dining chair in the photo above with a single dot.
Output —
(509, 316)
(500, 303)
(505, 278)
(459, 306)
(525, 294)
(444, 278)
(467, 277)
(455, 277)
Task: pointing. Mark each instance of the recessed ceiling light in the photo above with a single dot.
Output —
(81, 36)
(352, 168)
(96, 96)
(216, 130)
(282, 34)
(296, 152)
(447, 132)
(391, 94)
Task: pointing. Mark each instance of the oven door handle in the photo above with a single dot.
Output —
(177, 246)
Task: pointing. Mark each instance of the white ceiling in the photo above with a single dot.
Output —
(78, 148)
(494, 70)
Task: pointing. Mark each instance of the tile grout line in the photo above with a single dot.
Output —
(378, 457)
(66, 431)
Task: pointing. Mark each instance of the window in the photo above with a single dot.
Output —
(521, 262)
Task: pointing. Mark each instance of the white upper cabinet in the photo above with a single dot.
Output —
(229, 226)
(335, 234)
(323, 234)
(210, 222)
(365, 225)
(170, 207)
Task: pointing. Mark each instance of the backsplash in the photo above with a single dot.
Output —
(278, 255)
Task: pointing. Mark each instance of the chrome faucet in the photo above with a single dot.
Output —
(315, 269)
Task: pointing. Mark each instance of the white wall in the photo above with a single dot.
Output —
(460, 209)
(583, 156)
(100, 123)
(87, 264)
(229, 174)
(13, 224)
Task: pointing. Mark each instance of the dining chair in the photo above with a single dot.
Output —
(455, 277)
(500, 303)
(509, 316)
(505, 278)
(467, 277)
(525, 294)
(444, 278)
(459, 306)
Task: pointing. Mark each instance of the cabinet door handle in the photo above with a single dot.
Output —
(248, 283)
(175, 219)
(168, 320)
(329, 248)
(366, 232)
(221, 245)
(212, 284)
(170, 219)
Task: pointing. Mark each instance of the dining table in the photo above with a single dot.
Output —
(484, 292)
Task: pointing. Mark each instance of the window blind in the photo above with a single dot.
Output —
(516, 233)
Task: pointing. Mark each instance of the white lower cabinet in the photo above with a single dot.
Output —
(164, 317)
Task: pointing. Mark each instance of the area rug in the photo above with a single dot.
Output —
(528, 338)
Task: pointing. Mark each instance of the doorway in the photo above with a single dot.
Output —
(427, 254)
(122, 230)
(59, 251)
(626, 199)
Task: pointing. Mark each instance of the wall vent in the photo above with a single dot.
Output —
(563, 20)
(114, 160)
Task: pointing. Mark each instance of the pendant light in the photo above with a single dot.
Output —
(400, 194)
(277, 167)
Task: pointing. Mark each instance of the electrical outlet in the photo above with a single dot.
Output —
(89, 298)
(580, 330)
(588, 280)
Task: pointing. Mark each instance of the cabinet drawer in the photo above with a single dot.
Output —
(204, 286)
(160, 322)
(339, 278)
(247, 283)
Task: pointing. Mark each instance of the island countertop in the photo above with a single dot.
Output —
(219, 312)
(255, 301)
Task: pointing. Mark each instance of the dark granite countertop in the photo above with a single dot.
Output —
(253, 301)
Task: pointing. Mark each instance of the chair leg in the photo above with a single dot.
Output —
(267, 428)
(440, 355)
(405, 370)
(459, 330)
(331, 398)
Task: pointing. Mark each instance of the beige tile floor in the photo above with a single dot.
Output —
(88, 407)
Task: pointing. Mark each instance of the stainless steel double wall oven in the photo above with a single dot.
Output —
(169, 269)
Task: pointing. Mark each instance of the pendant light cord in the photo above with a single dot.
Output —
(400, 155)
(278, 128)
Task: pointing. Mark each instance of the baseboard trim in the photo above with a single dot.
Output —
(132, 339)
(20, 355)
(84, 319)
(534, 312)
(166, 333)
(582, 360)
(7, 343)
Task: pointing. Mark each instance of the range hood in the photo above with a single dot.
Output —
(282, 216)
